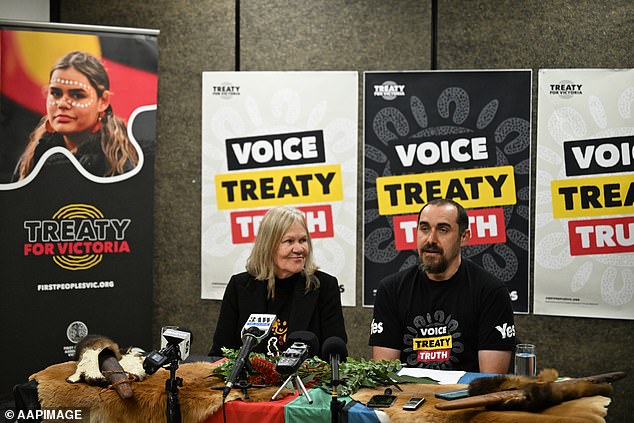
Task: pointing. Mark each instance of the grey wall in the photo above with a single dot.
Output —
(360, 35)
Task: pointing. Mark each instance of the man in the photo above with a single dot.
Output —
(448, 312)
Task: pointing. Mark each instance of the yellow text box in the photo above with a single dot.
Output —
(438, 343)
(472, 188)
(313, 184)
(600, 196)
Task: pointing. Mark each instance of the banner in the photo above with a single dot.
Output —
(463, 135)
(77, 136)
(584, 209)
(278, 138)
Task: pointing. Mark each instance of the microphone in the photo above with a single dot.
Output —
(303, 345)
(335, 349)
(175, 346)
(256, 328)
(306, 337)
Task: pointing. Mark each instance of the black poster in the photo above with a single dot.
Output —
(463, 135)
(77, 141)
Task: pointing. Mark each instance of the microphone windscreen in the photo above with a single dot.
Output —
(307, 337)
(334, 346)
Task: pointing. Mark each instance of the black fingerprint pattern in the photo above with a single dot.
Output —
(512, 140)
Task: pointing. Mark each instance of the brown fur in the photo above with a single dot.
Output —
(486, 385)
(540, 392)
(582, 410)
(96, 342)
(197, 400)
(543, 395)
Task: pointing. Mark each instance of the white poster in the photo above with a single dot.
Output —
(584, 207)
(278, 138)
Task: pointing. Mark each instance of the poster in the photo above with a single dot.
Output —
(278, 138)
(463, 135)
(584, 208)
(77, 136)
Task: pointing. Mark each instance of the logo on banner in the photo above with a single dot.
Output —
(226, 90)
(75, 332)
(389, 90)
(77, 237)
(566, 89)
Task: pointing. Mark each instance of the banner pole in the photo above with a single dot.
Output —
(237, 35)
(434, 34)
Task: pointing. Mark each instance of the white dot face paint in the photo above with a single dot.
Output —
(72, 104)
(74, 93)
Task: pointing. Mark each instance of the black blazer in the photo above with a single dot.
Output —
(318, 311)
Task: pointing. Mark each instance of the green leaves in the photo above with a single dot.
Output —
(356, 373)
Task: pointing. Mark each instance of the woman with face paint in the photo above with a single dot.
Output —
(281, 278)
(79, 117)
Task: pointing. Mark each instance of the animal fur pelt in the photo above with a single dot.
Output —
(197, 399)
(582, 410)
(99, 362)
(537, 393)
(486, 385)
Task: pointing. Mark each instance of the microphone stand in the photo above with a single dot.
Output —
(173, 409)
(242, 382)
(335, 404)
(299, 387)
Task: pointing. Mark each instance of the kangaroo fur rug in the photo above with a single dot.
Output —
(582, 410)
(197, 400)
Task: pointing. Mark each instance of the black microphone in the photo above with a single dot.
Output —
(254, 331)
(335, 349)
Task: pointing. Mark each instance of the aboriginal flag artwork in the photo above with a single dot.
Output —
(463, 135)
(77, 142)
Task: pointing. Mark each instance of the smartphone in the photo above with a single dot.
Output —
(453, 394)
(381, 401)
(413, 403)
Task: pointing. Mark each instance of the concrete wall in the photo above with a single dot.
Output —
(359, 35)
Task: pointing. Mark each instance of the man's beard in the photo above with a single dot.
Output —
(437, 266)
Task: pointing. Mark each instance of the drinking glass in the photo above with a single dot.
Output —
(525, 360)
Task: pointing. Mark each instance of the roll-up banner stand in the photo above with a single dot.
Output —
(77, 142)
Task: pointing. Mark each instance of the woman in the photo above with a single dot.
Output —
(80, 118)
(281, 279)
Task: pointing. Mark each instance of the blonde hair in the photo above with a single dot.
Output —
(274, 225)
(113, 134)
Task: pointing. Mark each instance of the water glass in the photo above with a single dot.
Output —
(525, 360)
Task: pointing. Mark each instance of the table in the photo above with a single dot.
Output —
(200, 403)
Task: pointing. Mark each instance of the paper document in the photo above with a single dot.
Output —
(444, 377)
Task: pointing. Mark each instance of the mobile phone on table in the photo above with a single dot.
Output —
(381, 401)
(453, 394)
(413, 403)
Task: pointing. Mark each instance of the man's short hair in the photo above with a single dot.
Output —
(462, 218)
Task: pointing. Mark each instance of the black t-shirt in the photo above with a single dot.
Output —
(443, 324)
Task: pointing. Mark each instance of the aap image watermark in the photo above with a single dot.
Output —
(53, 414)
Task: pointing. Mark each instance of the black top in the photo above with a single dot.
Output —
(443, 324)
(318, 311)
(89, 154)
